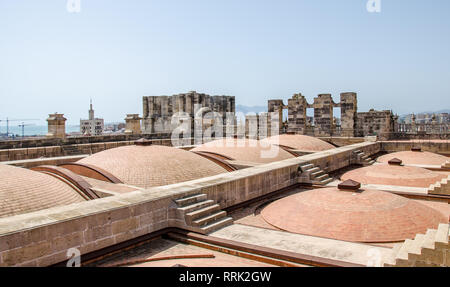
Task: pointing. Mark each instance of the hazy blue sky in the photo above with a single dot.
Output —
(116, 51)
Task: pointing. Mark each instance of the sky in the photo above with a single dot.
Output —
(117, 51)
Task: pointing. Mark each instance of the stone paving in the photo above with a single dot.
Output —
(160, 248)
(303, 244)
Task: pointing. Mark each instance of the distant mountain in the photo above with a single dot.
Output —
(250, 109)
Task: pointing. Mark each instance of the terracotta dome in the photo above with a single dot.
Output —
(415, 157)
(152, 165)
(301, 142)
(362, 216)
(245, 150)
(387, 174)
(24, 191)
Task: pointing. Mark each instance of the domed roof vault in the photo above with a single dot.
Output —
(23, 191)
(147, 166)
(359, 216)
(423, 158)
(393, 174)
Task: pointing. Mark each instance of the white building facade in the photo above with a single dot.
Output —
(93, 126)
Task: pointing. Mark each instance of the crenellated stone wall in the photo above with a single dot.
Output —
(352, 123)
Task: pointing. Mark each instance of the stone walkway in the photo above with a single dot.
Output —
(315, 246)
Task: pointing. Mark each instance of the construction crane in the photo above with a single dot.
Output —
(23, 125)
(7, 120)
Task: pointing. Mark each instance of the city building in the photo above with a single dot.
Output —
(92, 126)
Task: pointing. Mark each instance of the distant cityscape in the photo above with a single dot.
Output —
(97, 126)
(427, 118)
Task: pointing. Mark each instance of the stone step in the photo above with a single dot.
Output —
(442, 234)
(314, 169)
(416, 247)
(217, 225)
(196, 206)
(446, 164)
(445, 187)
(322, 177)
(199, 213)
(428, 241)
(326, 181)
(434, 189)
(306, 167)
(322, 182)
(372, 162)
(190, 199)
(404, 250)
(365, 157)
(390, 261)
(317, 173)
(396, 249)
(210, 218)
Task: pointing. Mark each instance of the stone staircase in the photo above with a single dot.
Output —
(431, 249)
(362, 158)
(446, 165)
(202, 215)
(440, 188)
(314, 175)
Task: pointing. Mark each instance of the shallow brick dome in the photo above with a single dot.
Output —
(247, 150)
(386, 174)
(415, 157)
(363, 216)
(24, 191)
(301, 142)
(148, 166)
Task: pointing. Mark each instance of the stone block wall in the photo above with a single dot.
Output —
(349, 108)
(277, 106)
(161, 113)
(297, 116)
(323, 115)
(380, 123)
